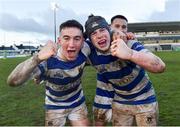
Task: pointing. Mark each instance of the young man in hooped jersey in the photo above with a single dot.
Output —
(62, 70)
(121, 77)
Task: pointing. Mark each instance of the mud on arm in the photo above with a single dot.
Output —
(23, 71)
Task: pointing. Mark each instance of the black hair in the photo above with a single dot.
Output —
(118, 16)
(71, 23)
(91, 15)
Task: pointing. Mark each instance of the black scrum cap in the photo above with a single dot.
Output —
(95, 22)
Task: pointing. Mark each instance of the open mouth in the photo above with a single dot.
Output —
(102, 43)
(71, 53)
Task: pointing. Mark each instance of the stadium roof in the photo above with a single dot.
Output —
(6, 48)
(25, 47)
(154, 26)
(167, 37)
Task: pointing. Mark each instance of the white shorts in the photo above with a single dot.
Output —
(58, 117)
(140, 115)
(103, 112)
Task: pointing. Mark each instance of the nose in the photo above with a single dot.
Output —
(71, 43)
(120, 28)
(99, 35)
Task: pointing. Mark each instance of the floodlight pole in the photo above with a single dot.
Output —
(55, 25)
(55, 6)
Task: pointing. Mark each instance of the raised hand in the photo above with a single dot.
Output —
(120, 49)
(130, 36)
(47, 51)
(147, 60)
(121, 35)
(24, 70)
(116, 34)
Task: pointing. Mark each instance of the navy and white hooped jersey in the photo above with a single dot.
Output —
(129, 81)
(63, 81)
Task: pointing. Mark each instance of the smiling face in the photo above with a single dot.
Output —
(71, 40)
(101, 39)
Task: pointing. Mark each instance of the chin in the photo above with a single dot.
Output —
(104, 49)
(71, 58)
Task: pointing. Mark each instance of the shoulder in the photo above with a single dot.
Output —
(131, 43)
(136, 45)
(86, 50)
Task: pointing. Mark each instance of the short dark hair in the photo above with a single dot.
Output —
(71, 23)
(118, 16)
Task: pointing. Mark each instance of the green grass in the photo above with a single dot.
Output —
(23, 105)
(167, 86)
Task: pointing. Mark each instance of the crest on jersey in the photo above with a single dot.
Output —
(59, 74)
(149, 120)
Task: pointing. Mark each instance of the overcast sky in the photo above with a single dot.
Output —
(32, 20)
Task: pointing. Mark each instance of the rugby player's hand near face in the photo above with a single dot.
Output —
(146, 60)
(120, 49)
(118, 45)
(47, 51)
(119, 35)
(130, 36)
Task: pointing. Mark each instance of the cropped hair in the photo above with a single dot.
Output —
(118, 16)
(71, 23)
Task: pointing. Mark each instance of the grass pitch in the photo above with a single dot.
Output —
(23, 105)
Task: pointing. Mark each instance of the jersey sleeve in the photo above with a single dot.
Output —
(86, 49)
(135, 45)
(39, 73)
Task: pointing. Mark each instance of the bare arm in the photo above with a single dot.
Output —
(24, 70)
(147, 60)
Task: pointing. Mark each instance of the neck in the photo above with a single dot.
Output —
(60, 55)
(104, 52)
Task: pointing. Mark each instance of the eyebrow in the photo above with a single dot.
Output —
(65, 36)
(73, 37)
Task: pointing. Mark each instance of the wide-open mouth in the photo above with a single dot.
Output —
(102, 43)
(70, 55)
(71, 51)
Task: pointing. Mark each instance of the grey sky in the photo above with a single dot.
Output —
(171, 12)
(35, 17)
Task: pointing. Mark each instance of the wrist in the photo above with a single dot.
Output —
(131, 54)
(136, 56)
(36, 58)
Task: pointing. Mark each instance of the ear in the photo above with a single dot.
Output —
(59, 41)
(82, 42)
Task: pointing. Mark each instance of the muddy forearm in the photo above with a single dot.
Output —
(23, 71)
(148, 61)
